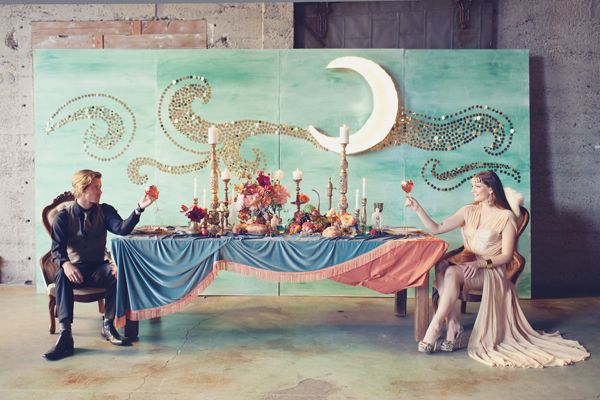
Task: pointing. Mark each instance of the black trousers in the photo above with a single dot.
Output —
(97, 275)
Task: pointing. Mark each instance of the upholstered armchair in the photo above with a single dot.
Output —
(84, 295)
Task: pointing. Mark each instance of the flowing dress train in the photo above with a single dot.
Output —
(501, 335)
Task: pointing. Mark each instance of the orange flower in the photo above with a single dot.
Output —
(303, 198)
(347, 220)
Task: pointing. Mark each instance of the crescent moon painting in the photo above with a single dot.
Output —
(436, 117)
(385, 107)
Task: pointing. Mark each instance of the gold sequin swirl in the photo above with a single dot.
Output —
(192, 128)
(450, 132)
(457, 173)
(115, 125)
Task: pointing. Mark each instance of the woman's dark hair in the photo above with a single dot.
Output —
(490, 179)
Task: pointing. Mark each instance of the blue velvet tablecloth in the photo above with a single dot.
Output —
(159, 274)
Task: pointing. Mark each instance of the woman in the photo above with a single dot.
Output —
(501, 335)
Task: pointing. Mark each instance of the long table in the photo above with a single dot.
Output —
(160, 274)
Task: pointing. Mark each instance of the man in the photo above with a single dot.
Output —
(78, 247)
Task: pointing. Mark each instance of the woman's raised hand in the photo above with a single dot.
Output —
(413, 204)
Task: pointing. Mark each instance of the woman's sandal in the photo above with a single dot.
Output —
(429, 348)
(451, 345)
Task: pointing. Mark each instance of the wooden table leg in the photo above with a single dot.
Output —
(421, 309)
(400, 303)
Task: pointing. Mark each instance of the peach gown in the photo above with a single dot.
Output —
(501, 335)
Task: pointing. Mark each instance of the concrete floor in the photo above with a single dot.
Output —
(278, 348)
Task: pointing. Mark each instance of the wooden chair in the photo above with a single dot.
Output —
(513, 271)
(83, 295)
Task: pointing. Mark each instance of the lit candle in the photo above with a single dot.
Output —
(344, 134)
(356, 199)
(225, 175)
(364, 188)
(297, 175)
(213, 135)
(195, 188)
(279, 174)
(204, 198)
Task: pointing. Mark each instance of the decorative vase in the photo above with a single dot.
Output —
(195, 227)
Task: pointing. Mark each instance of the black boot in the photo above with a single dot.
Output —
(111, 334)
(63, 347)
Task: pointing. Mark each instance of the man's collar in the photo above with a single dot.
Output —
(81, 210)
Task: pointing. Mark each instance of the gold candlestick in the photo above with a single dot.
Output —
(329, 194)
(297, 202)
(343, 204)
(213, 213)
(363, 217)
(225, 207)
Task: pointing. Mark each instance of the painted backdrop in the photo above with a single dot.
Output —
(140, 117)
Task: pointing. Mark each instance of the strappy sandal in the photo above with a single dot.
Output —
(452, 345)
(429, 348)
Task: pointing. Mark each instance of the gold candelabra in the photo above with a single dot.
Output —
(224, 207)
(343, 204)
(297, 202)
(329, 194)
(363, 211)
(213, 213)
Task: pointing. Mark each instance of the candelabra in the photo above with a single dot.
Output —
(224, 207)
(297, 202)
(329, 194)
(343, 204)
(213, 213)
(363, 211)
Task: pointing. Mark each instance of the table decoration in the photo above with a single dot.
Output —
(344, 139)
(309, 220)
(258, 199)
(152, 230)
(329, 194)
(196, 215)
(214, 218)
(224, 207)
(297, 177)
(363, 209)
(356, 207)
(377, 217)
(332, 231)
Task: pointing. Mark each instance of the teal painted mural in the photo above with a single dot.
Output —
(141, 117)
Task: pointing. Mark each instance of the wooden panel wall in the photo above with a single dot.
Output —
(180, 34)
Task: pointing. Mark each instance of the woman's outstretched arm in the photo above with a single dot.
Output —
(450, 223)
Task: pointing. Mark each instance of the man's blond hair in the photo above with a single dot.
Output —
(82, 179)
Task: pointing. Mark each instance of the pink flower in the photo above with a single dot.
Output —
(279, 195)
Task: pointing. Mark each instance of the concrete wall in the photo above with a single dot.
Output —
(239, 26)
(564, 40)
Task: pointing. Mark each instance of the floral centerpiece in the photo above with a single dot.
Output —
(195, 214)
(258, 199)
